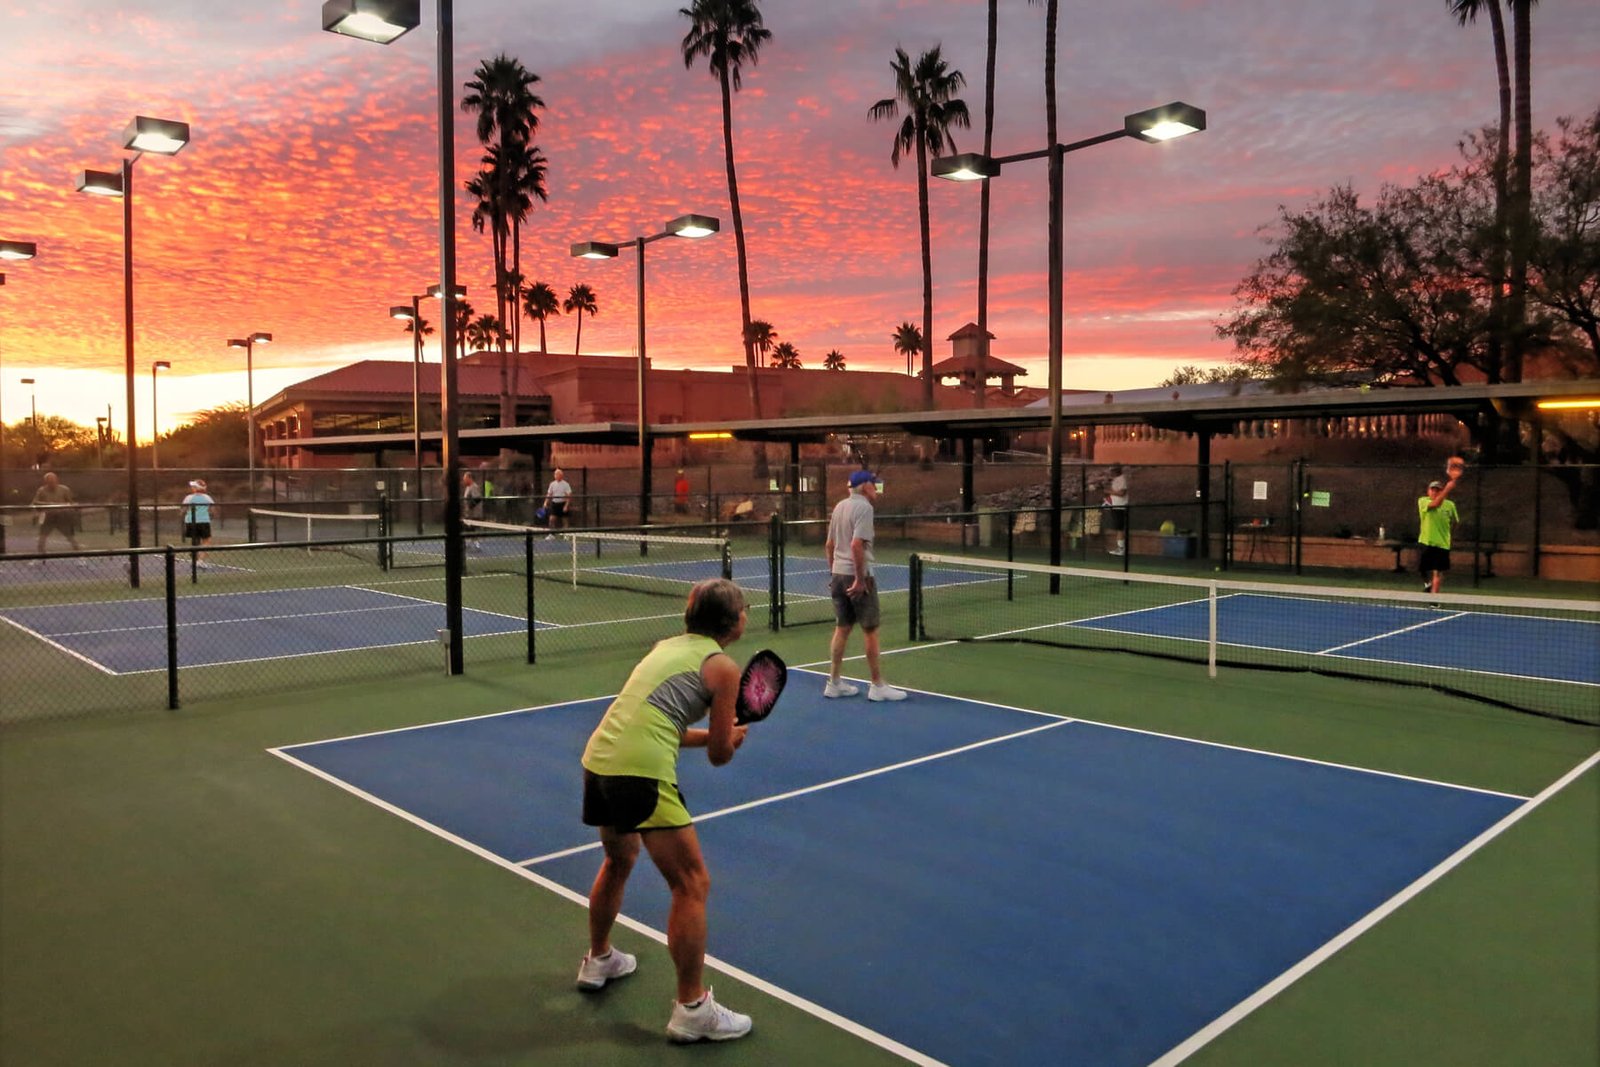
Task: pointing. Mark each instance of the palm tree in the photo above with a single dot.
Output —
(980, 394)
(421, 324)
(463, 313)
(907, 341)
(927, 90)
(1521, 191)
(834, 360)
(786, 355)
(484, 332)
(729, 33)
(1466, 11)
(580, 299)
(501, 94)
(760, 336)
(541, 304)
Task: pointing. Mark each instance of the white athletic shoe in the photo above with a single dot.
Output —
(885, 692)
(594, 973)
(841, 688)
(707, 1021)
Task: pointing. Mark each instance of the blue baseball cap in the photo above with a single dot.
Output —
(860, 478)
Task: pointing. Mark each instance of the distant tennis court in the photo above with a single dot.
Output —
(130, 636)
(932, 870)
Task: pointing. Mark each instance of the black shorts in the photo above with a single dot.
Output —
(1116, 518)
(558, 509)
(860, 609)
(1433, 558)
(627, 802)
(62, 522)
(197, 531)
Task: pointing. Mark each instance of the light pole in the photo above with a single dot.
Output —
(412, 313)
(162, 137)
(682, 226)
(155, 426)
(383, 21)
(249, 345)
(10, 250)
(1154, 125)
(101, 425)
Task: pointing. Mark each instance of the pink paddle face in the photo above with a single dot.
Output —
(760, 686)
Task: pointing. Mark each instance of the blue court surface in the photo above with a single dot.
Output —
(130, 636)
(979, 884)
(1512, 646)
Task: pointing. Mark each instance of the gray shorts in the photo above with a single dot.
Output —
(859, 610)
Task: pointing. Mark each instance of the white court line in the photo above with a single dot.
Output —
(1211, 1031)
(849, 1026)
(1392, 633)
(96, 664)
(791, 794)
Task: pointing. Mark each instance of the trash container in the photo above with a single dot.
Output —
(1178, 546)
(986, 524)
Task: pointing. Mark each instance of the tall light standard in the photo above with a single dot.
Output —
(383, 21)
(33, 406)
(155, 425)
(162, 137)
(10, 250)
(1154, 125)
(682, 226)
(413, 315)
(249, 346)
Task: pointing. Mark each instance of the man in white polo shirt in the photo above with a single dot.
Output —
(854, 589)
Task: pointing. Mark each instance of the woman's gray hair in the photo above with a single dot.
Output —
(713, 608)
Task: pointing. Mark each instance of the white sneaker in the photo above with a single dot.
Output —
(885, 692)
(841, 688)
(594, 973)
(708, 1021)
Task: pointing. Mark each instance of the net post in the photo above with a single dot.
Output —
(1211, 638)
(171, 562)
(727, 559)
(527, 559)
(914, 597)
(774, 573)
(1011, 550)
(385, 526)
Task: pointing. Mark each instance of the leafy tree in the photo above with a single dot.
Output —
(1565, 256)
(541, 304)
(834, 360)
(728, 34)
(926, 91)
(580, 301)
(1189, 374)
(786, 355)
(216, 437)
(907, 341)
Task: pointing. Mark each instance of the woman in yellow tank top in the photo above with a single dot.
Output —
(630, 792)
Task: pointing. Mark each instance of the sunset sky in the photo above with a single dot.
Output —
(306, 204)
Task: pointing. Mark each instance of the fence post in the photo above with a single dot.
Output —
(171, 560)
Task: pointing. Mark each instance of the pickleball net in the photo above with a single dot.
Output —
(661, 564)
(1540, 656)
(358, 534)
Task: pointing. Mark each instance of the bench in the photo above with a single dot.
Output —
(1469, 538)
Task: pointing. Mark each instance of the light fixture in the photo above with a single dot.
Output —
(18, 249)
(1568, 405)
(594, 250)
(434, 291)
(1165, 123)
(162, 137)
(100, 182)
(965, 167)
(402, 312)
(721, 435)
(380, 21)
(693, 226)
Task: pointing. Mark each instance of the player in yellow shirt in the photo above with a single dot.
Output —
(630, 791)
